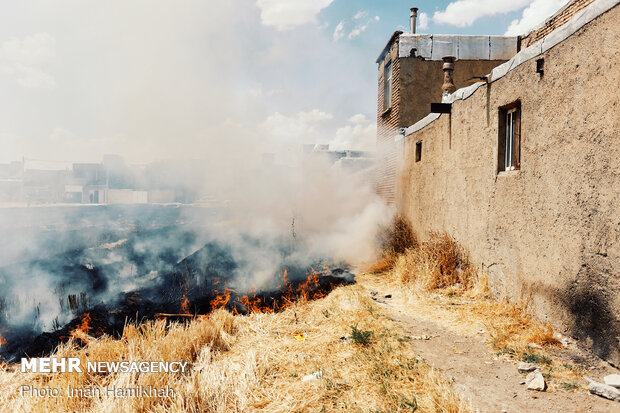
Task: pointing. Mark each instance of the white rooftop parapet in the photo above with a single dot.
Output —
(436, 46)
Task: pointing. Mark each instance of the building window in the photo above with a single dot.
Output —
(387, 86)
(418, 151)
(509, 144)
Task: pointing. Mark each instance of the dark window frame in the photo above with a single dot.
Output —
(418, 151)
(387, 85)
(509, 137)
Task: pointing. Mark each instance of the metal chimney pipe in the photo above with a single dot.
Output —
(414, 16)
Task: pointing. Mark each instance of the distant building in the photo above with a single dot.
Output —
(44, 186)
(92, 178)
(343, 159)
(34, 182)
(12, 182)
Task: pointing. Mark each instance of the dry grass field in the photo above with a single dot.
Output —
(361, 361)
(343, 352)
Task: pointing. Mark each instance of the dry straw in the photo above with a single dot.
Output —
(258, 363)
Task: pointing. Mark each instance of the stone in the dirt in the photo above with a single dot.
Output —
(565, 341)
(535, 381)
(534, 345)
(613, 380)
(526, 367)
(313, 376)
(604, 390)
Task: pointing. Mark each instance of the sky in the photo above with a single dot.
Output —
(188, 79)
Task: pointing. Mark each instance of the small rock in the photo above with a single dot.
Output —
(388, 296)
(313, 376)
(522, 382)
(373, 293)
(613, 380)
(424, 337)
(346, 339)
(534, 345)
(564, 340)
(535, 381)
(481, 331)
(526, 367)
(604, 390)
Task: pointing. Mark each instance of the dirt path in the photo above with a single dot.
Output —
(489, 383)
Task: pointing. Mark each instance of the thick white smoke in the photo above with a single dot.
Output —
(175, 81)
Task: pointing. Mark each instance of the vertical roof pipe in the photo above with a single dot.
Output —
(414, 16)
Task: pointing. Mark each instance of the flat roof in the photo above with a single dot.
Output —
(463, 47)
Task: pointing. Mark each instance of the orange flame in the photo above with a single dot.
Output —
(85, 324)
(221, 298)
(285, 277)
(83, 328)
(184, 305)
(252, 302)
(2, 341)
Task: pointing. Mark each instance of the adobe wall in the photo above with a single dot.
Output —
(552, 228)
(418, 82)
(421, 80)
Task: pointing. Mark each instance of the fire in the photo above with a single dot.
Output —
(287, 293)
(184, 300)
(255, 304)
(85, 323)
(2, 341)
(222, 298)
(184, 305)
(81, 331)
(307, 289)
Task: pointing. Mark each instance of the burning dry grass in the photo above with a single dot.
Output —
(307, 358)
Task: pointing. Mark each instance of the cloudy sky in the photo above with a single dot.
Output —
(178, 79)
